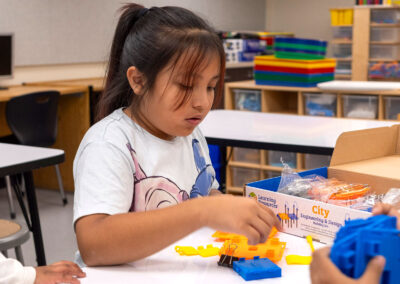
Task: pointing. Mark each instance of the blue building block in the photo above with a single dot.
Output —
(360, 240)
(257, 268)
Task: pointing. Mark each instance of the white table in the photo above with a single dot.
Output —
(284, 132)
(167, 266)
(15, 159)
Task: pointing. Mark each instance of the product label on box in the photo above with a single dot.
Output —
(302, 217)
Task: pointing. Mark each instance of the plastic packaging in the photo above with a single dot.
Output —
(392, 196)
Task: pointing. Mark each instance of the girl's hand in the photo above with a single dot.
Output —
(387, 209)
(59, 272)
(240, 215)
(324, 271)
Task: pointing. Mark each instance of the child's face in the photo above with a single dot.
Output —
(159, 111)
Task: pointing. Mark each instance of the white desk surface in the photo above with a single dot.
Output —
(167, 266)
(12, 155)
(282, 128)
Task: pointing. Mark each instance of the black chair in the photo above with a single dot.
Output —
(32, 119)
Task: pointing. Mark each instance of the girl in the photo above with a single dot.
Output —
(146, 152)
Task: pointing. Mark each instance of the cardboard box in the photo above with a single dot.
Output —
(369, 156)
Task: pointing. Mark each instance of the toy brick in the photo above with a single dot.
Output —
(360, 240)
(257, 268)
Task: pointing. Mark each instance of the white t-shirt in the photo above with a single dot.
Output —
(12, 272)
(120, 167)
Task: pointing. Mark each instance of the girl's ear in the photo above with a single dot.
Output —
(135, 79)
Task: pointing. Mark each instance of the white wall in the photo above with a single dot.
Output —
(306, 18)
(76, 31)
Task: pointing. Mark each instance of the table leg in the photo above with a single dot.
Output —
(35, 221)
(223, 168)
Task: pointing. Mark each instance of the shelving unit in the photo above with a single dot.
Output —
(246, 165)
(372, 41)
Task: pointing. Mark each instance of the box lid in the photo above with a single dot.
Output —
(369, 156)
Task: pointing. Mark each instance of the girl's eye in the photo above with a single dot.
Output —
(211, 89)
(185, 87)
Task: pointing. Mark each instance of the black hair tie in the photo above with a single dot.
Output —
(142, 12)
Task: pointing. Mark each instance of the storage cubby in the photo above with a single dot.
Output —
(242, 163)
(320, 104)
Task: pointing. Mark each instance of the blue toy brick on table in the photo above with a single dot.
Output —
(360, 240)
(257, 268)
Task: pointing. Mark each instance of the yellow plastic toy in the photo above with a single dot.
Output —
(273, 249)
(210, 250)
(300, 259)
(186, 250)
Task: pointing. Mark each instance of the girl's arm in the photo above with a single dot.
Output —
(115, 239)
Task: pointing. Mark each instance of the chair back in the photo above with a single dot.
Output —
(33, 118)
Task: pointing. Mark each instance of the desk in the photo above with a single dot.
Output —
(23, 159)
(167, 266)
(73, 122)
(283, 132)
(94, 86)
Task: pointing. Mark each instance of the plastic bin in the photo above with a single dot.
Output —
(343, 33)
(341, 50)
(384, 51)
(360, 106)
(313, 161)
(343, 68)
(384, 34)
(384, 70)
(246, 155)
(385, 16)
(241, 176)
(320, 104)
(247, 99)
(392, 108)
(341, 17)
(274, 158)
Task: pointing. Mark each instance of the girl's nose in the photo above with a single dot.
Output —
(202, 99)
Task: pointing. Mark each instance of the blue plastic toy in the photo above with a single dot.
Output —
(257, 268)
(360, 240)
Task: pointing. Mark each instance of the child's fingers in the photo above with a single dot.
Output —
(262, 228)
(252, 235)
(272, 216)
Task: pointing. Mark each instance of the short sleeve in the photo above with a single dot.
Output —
(204, 145)
(104, 181)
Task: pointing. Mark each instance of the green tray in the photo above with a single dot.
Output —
(297, 55)
(289, 78)
(300, 46)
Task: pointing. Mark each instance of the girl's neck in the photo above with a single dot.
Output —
(141, 120)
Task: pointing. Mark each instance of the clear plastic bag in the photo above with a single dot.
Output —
(392, 197)
(292, 184)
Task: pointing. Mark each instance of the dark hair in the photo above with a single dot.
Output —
(150, 40)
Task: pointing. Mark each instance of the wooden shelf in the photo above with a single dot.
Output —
(341, 41)
(343, 76)
(385, 42)
(234, 190)
(244, 165)
(343, 59)
(383, 59)
(385, 25)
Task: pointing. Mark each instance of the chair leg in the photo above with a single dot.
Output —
(18, 254)
(10, 197)
(60, 185)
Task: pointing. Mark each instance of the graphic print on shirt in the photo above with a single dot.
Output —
(158, 192)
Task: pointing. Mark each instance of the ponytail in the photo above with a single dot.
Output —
(149, 39)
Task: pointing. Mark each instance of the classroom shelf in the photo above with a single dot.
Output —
(293, 100)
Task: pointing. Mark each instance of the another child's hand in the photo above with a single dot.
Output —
(387, 209)
(59, 272)
(323, 270)
(240, 215)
